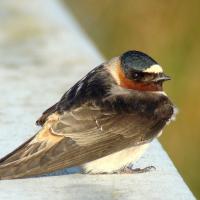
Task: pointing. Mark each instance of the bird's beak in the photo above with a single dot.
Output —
(161, 77)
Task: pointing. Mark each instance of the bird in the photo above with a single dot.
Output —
(103, 123)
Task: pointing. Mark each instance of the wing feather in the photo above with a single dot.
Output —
(74, 138)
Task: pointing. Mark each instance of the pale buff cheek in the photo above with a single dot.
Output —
(112, 66)
(115, 161)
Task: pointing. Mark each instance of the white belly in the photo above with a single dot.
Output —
(115, 161)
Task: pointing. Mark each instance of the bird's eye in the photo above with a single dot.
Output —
(136, 75)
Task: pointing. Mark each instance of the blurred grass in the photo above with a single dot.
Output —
(169, 31)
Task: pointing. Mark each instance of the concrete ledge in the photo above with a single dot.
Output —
(43, 52)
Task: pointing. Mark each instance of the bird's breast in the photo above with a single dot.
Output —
(115, 161)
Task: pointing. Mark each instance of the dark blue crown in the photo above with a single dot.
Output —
(136, 60)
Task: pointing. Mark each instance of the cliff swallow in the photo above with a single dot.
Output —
(103, 123)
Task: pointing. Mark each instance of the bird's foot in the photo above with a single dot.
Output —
(129, 170)
(126, 170)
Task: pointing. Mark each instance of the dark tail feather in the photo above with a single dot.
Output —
(12, 160)
(35, 157)
(13, 155)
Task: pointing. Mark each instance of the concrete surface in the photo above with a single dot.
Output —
(42, 53)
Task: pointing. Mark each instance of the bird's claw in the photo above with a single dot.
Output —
(129, 170)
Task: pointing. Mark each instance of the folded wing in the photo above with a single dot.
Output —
(74, 138)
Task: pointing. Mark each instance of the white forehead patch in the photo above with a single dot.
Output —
(154, 69)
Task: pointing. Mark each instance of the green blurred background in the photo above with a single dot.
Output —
(170, 32)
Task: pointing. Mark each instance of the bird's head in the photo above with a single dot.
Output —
(138, 71)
